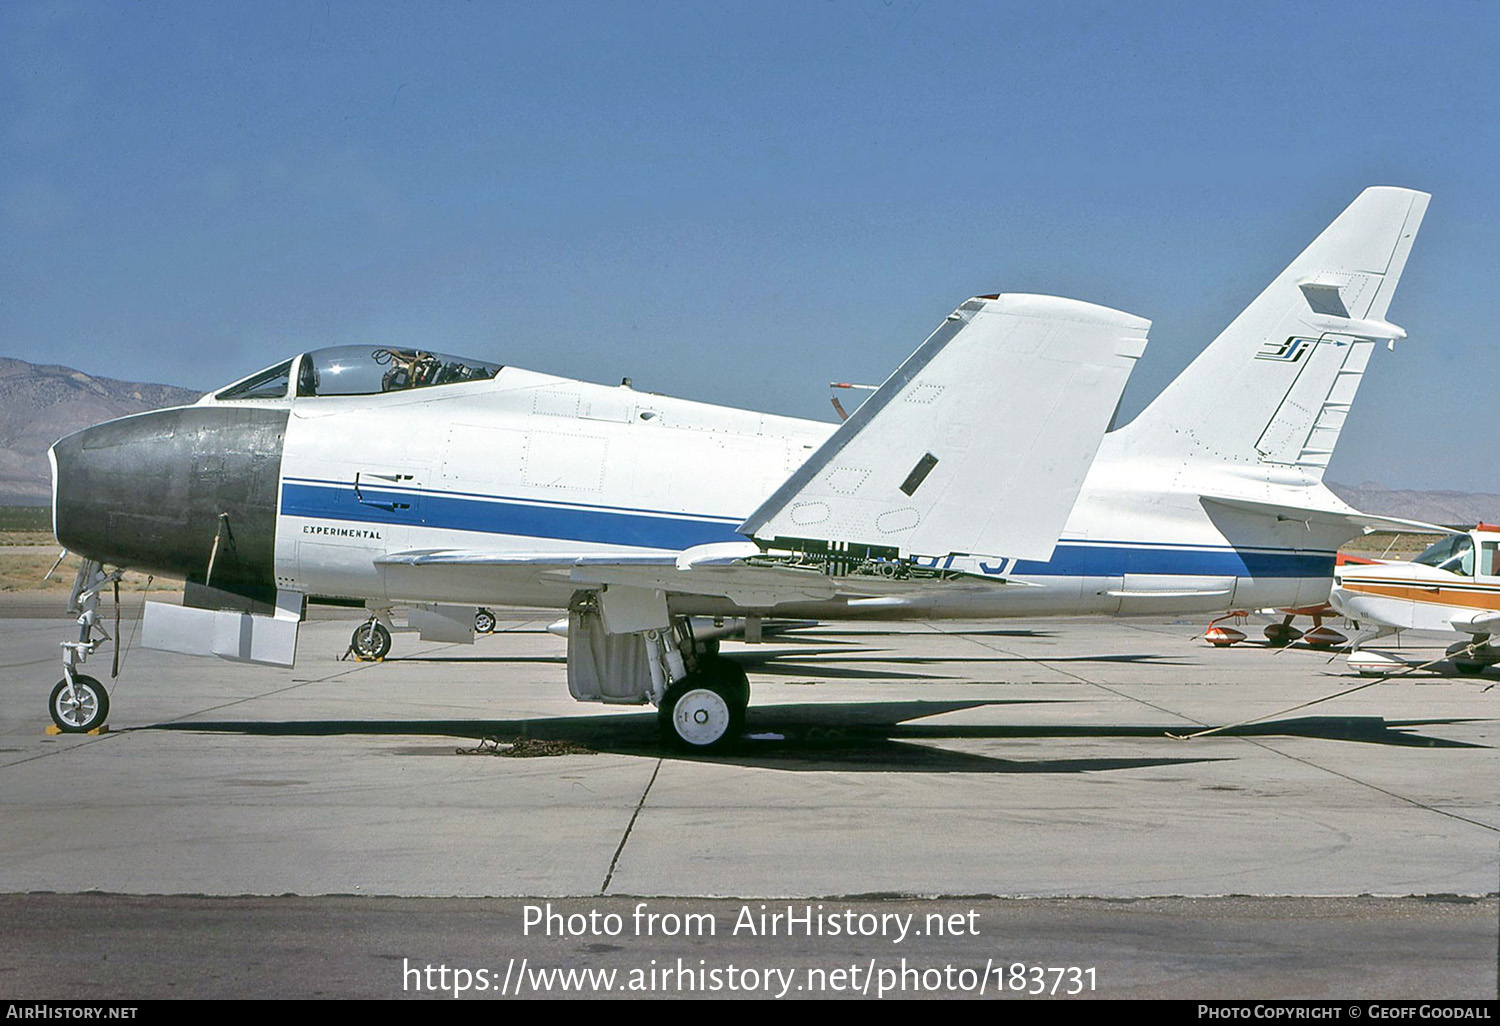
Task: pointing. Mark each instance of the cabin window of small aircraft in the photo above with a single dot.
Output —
(1454, 554)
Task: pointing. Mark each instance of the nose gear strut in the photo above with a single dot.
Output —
(79, 703)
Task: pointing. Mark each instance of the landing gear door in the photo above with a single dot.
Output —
(228, 634)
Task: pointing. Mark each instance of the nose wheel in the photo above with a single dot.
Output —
(79, 706)
(370, 641)
(705, 711)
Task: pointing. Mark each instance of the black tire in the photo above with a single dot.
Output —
(1280, 635)
(730, 674)
(370, 641)
(709, 647)
(1468, 669)
(701, 714)
(82, 711)
(484, 621)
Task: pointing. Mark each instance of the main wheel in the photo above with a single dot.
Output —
(700, 714)
(370, 641)
(80, 709)
(1281, 634)
(1463, 654)
(484, 621)
(730, 674)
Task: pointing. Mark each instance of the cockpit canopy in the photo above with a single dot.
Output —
(360, 370)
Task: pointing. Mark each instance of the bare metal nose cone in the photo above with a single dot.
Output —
(146, 492)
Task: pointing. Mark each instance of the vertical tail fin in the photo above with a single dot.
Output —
(1275, 386)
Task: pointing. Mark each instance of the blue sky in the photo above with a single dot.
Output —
(738, 202)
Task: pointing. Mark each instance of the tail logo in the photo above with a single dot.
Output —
(1289, 351)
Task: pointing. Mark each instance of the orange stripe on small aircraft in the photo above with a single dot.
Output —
(1437, 596)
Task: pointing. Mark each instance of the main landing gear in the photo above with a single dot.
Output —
(79, 703)
(1279, 635)
(651, 656)
(705, 711)
(1471, 657)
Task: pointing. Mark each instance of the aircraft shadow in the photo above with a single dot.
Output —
(803, 638)
(759, 662)
(449, 657)
(871, 737)
(773, 667)
(828, 634)
(556, 659)
(781, 663)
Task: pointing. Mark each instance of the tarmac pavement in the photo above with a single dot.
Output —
(884, 763)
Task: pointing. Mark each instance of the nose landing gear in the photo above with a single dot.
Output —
(79, 703)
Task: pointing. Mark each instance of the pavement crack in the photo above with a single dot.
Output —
(604, 888)
(1374, 787)
(1068, 673)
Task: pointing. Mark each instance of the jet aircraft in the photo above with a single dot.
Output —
(981, 479)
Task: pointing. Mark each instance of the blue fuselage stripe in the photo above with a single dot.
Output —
(622, 527)
(1118, 560)
(450, 512)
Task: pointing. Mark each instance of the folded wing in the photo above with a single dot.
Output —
(978, 443)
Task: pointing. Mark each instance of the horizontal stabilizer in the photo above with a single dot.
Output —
(978, 443)
(1348, 517)
(1480, 623)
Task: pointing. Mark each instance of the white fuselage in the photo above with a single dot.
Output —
(528, 463)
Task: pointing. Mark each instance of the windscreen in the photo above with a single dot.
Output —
(1454, 554)
(268, 384)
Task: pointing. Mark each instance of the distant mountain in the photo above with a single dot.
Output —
(1447, 508)
(41, 403)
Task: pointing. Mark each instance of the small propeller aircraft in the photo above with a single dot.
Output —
(981, 479)
(1453, 586)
